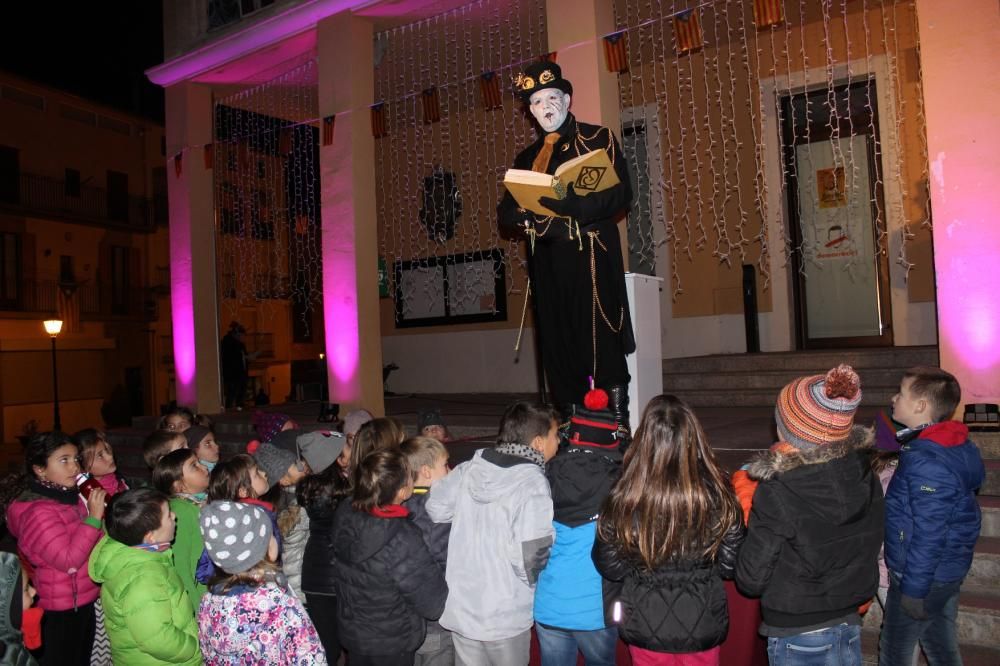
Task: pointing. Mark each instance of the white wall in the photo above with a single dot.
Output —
(461, 362)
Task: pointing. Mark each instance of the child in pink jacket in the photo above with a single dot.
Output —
(55, 533)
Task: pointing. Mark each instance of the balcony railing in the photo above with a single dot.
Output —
(96, 299)
(43, 195)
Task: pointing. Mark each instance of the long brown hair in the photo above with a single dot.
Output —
(376, 435)
(672, 500)
(230, 477)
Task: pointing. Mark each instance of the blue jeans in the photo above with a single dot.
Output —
(558, 647)
(833, 646)
(937, 634)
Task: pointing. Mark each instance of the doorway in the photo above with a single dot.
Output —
(836, 209)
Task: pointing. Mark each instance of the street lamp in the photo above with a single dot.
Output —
(53, 327)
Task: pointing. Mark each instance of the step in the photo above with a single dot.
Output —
(807, 361)
(972, 655)
(992, 484)
(978, 619)
(988, 442)
(882, 378)
(761, 397)
(991, 516)
(985, 570)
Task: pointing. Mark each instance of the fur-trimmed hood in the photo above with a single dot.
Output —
(772, 462)
(831, 481)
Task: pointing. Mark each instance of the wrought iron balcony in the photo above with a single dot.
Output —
(44, 196)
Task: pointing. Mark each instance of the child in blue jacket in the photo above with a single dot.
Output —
(932, 519)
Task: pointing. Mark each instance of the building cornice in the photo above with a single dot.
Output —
(257, 35)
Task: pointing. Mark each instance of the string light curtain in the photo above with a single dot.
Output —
(266, 187)
(694, 72)
(452, 127)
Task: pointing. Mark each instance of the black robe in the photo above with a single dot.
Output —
(569, 319)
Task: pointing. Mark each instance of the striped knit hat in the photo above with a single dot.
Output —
(813, 411)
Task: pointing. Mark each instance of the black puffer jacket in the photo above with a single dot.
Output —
(678, 607)
(387, 583)
(435, 534)
(816, 522)
(318, 562)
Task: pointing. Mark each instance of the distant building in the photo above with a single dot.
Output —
(83, 237)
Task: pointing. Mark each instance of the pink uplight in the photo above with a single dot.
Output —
(340, 289)
(182, 304)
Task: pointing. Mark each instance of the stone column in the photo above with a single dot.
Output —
(958, 56)
(350, 238)
(193, 295)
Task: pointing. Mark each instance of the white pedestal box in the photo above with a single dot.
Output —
(645, 365)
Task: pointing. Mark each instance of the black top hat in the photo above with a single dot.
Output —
(539, 76)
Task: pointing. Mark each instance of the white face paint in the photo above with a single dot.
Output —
(549, 106)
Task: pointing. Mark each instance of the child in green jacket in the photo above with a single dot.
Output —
(147, 611)
(182, 477)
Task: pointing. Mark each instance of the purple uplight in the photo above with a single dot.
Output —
(182, 304)
(340, 289)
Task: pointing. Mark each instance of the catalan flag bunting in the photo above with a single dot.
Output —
(616, 52)
(432, 105)
(379, 129)
(489, 86)
(687, 31)
(68, 308)
(768, 12)
(328, 123)
(209, 154)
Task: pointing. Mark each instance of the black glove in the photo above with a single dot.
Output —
(913, 607)
(569, 206)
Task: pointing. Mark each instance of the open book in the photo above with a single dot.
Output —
(592, 172)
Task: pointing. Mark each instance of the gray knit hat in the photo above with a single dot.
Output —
(273, 461)
(236, 535)
(320, 448)
(355, 419)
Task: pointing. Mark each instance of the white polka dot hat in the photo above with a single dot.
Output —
(236, 535)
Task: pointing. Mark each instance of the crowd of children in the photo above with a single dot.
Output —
(315, 544)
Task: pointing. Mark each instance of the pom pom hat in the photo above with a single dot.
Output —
(236, 535)
(817, 410)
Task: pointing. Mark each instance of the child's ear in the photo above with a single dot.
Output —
(425, 472)
(538, 444)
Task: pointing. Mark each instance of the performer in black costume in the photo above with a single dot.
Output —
(575, 260)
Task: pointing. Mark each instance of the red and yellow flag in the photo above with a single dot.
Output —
(379, 129)
(489, 86)
(616, 52)
(768, 12)
(328, 123)
(432, 105)
(687, 31)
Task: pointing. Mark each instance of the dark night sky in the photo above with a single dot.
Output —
(97, 50)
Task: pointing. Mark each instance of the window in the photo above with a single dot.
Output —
(72, 183)
(261, 169)
(10, 175)
(224, 12)
(119, 279)
(118, 196)
(66, 272)
(229, 223)
(10, 268)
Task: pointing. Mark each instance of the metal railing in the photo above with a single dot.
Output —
(41, 194)
(90, 298)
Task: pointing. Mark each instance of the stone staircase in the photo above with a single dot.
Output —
(754, 380)
(979, 602)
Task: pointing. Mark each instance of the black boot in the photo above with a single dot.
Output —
(618, 405)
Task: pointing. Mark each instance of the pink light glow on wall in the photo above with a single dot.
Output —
(182, 304)
(961, 94)
(340, 288)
